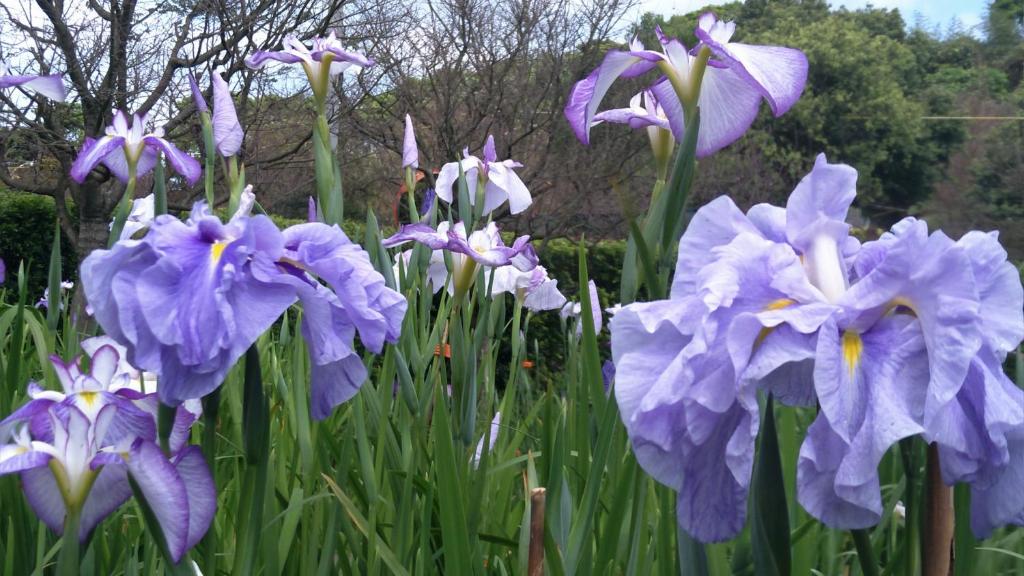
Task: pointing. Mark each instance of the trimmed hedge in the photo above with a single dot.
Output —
(26, 235)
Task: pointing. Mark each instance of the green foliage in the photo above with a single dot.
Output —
(1000, 171)
(867, 95)
(26, 235)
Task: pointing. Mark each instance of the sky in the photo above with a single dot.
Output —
(935, 12)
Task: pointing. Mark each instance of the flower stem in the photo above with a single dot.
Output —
(124, 207)
(937, 541)
(323, 164)
(912, 546)
(70, 549)
(165, 425)
(234, 186)
(410, 186)
(210, 154)
(159, 189)
(865, 553)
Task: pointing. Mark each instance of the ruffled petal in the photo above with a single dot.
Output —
(999, 289)
(871, 387)
(688, 428)
(715, 224)
(931, 276)
(333, 383)
(823, 197)
(1001, 501)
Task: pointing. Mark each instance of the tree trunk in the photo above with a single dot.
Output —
(93, 232)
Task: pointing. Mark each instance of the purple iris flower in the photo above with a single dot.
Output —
(499, 180)
(482, 247)
(644, 111)
(355, 299)
(574, 309)
(732, 86)
(227, 132)
(429, 197)
(51, 86)
(410, 154)
(897, 337)
(142, 213)
(126, 146)
(76, 450)
(197, 94)
(44, 302)
(533, 288)
(608, 375)
(191, 297)
(326, 58)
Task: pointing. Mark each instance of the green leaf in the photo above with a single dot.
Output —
(160, 189)
(53, 284)
(454, 528)
(678, 189)
(964, 542)
(692, 556)
(769, 513)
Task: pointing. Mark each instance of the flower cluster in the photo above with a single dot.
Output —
(893, 338)
(77, 449)
(189, 298)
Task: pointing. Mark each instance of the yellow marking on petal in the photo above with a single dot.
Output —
(900, 305)
(89, 398)
(853, 347)
(217, 249)
(773, 305)
(779, 304)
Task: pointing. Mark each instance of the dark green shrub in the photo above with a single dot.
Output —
(26, 235)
